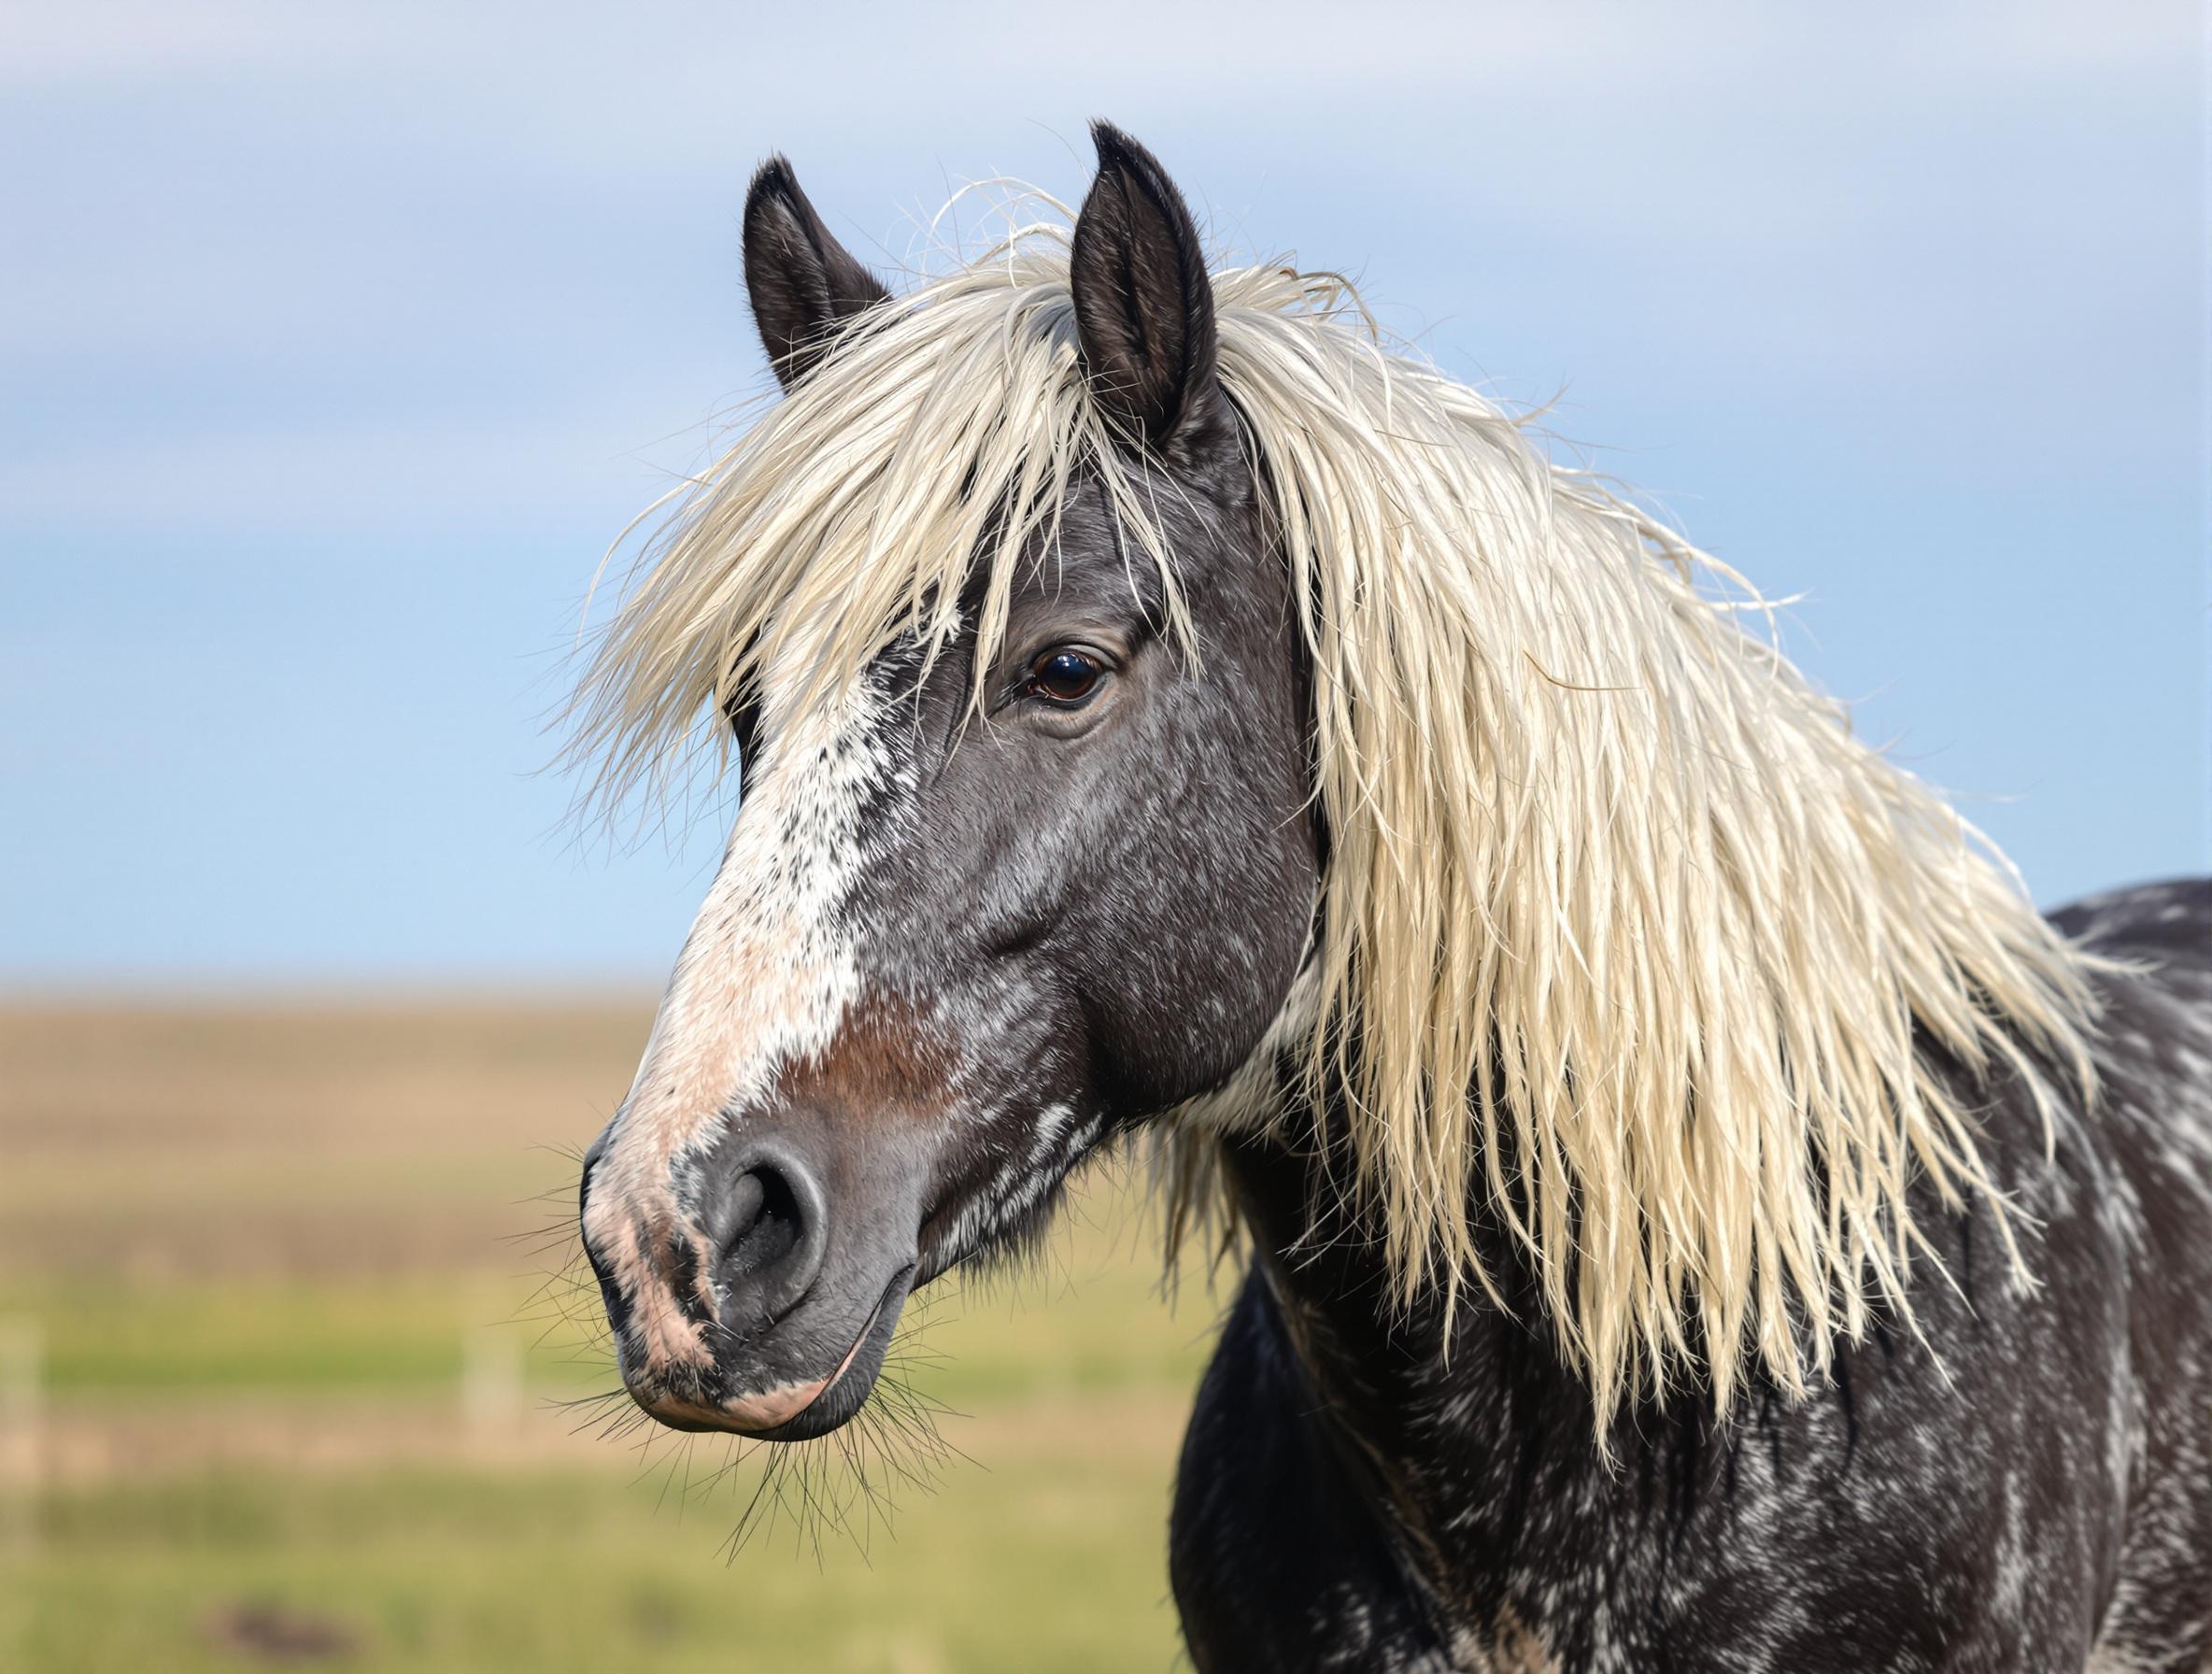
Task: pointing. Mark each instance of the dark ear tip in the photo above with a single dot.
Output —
(773, 179)
(1111, 142)
(1118, 151)
(1124, 159)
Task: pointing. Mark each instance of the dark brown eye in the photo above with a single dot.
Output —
(1064, 675)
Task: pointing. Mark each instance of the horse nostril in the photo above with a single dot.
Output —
(591, 1156)
(742, 1210)
(767, 1230)
(759, 1224)
(617, 1305)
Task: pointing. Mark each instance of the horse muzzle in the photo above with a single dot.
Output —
(756, 1290)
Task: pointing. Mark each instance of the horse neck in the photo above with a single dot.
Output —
(1447, 1409)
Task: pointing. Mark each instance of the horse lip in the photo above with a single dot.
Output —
(769, 1424)
(770, 1407)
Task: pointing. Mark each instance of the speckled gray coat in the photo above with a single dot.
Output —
(2026, 1485)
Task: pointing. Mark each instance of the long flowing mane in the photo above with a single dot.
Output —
(1625, 938)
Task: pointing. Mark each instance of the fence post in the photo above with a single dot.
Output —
(491, 1370)
(22, 1429)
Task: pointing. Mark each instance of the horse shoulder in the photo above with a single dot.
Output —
(2155, 1119)
(1277, 1555)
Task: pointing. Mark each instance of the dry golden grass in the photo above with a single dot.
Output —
(322, 1137)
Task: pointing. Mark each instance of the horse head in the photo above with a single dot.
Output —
(997, 892)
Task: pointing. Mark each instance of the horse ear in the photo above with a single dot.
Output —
(802, 283)
(1144, 304)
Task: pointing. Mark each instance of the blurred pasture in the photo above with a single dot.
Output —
(294, 1372)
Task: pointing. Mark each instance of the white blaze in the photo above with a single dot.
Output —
(764, 977)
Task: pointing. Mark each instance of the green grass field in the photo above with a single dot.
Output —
(289, 1376)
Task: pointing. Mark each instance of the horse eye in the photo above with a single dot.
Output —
(1064, 677)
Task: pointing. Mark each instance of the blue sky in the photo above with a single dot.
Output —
(336, 345)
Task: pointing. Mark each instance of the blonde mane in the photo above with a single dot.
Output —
(1626, 939)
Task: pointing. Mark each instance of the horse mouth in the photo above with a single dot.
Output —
(802, 1409)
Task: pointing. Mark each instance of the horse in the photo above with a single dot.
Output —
(1694, 1213)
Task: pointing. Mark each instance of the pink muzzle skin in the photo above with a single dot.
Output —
(768, 1409)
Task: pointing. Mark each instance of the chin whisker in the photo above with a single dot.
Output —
(845, 1487)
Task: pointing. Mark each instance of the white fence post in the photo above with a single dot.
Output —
(491, 1370)
(22, 1429)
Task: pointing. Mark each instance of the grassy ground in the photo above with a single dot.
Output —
(283, 1381)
